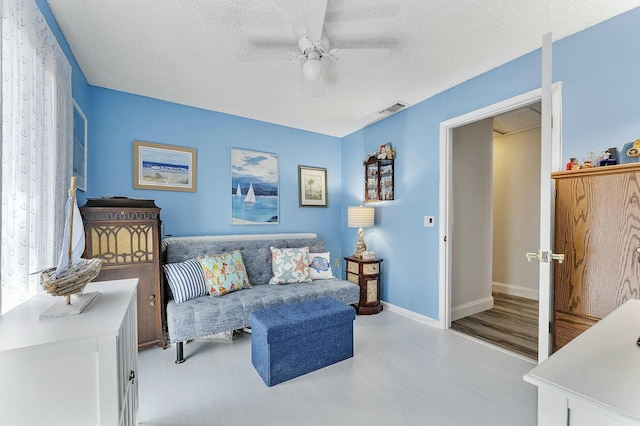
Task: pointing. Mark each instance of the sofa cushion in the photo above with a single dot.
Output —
(185, 280)
(289, 265)
(320, 266)
(204, 316)
(224, 273)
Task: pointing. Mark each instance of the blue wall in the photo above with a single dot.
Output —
(599, 70)
(601, 109)
(410, 250)
(601, 87)
(120, 118)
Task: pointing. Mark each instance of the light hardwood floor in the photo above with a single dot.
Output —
(403, 373)
(511, 324)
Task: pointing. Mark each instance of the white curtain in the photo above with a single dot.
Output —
(37, 132)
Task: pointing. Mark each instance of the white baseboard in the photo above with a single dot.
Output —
(515, 290)
(471, 308)
(411, 315)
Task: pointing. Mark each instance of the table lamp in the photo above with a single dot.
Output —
(360, 217)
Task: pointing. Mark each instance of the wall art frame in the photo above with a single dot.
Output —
(164, 167)
(80, 136)
(312, 186)
(255, 188)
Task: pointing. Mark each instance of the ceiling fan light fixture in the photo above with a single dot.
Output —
(312, 69)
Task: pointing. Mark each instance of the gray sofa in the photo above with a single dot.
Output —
(205, 316)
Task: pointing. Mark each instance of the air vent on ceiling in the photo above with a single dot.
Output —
(392, 109)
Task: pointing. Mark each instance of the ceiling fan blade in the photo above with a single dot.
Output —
(317, 87)
(314, 18)
(266, 56)
(359, 54)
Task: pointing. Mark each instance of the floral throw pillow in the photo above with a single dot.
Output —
(289, 265)
(224, 273)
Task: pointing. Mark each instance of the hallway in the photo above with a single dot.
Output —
(512, 324)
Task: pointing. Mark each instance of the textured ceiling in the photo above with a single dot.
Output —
(185, 51)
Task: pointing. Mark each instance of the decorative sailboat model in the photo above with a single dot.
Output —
(72, 273)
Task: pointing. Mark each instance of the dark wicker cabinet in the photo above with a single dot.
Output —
(365, 273)
(125, 233)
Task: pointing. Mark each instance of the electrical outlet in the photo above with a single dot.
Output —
(429, 221)
(336, 262)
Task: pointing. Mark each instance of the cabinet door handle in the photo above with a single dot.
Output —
(132, 375)
(152, 299)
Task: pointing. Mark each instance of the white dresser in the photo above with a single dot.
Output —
(595, 378)
(75, 370)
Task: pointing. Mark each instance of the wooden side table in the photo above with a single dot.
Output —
(365, 273)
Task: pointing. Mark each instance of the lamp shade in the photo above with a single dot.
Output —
(360, 217)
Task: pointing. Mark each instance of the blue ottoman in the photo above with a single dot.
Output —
(291, 340)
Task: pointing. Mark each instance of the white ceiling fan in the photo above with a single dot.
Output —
(315, 49)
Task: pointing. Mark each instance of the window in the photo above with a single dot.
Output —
(37, 116)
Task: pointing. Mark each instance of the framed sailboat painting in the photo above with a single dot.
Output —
(254, 188)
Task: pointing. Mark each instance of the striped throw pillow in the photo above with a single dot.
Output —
(186, 280)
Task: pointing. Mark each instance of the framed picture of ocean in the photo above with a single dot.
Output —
(164, 167)
(254, 188)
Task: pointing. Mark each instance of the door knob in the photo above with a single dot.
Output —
(545, 256)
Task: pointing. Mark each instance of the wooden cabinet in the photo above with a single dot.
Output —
(125, 233)
(597, 228)
(378, 180)
(75, 370)
(365, 273)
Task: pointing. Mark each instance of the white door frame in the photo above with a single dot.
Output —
(552, 160)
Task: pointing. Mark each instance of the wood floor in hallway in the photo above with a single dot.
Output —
(512, 324)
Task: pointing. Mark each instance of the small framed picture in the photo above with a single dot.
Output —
(163, 167)
(79, 147)
(312, 186)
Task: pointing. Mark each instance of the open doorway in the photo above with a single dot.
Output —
(496, 216)
(551, 131)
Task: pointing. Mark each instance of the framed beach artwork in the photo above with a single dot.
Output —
(254, 188)
(164, 167)
(79, 147)
(312, 186)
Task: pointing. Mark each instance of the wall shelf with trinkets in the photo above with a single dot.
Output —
(379, 175)
(378, 180)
